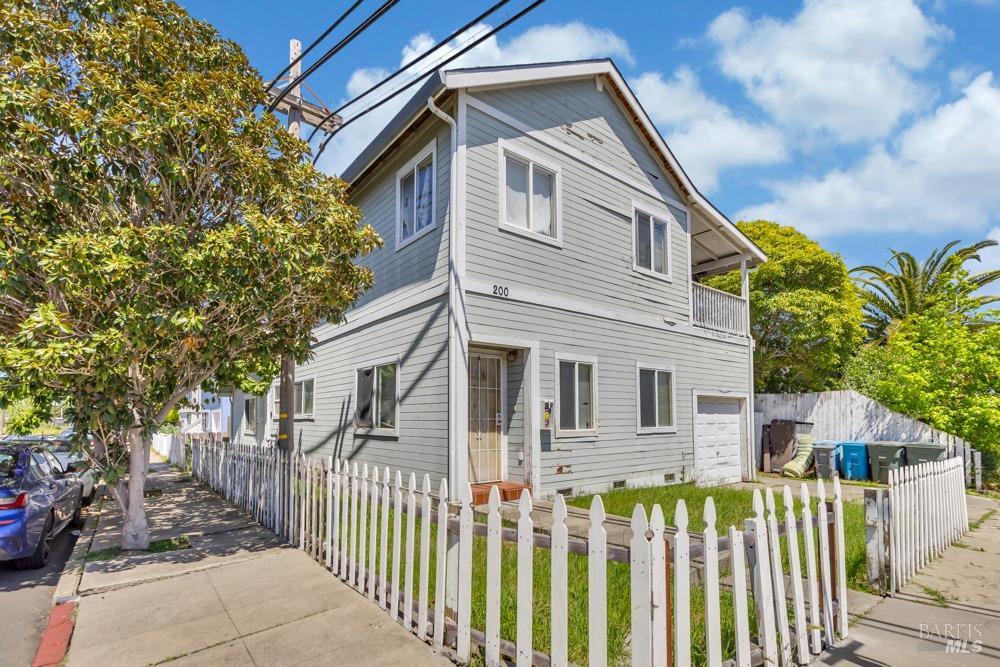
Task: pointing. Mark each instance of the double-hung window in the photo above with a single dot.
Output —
(415, 197)
(304, 398)
(377, 392)
(250, 414)
(651, 243)
(577, 392)
(655, 399)
(529, 196)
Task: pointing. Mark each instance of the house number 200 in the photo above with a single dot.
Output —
(500, 290)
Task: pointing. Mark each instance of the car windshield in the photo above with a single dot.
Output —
(8, 464)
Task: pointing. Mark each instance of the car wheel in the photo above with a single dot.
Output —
(41, 555)
(78, 519)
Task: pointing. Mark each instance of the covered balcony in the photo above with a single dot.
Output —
(718, 247)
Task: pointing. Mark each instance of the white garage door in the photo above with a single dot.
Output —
(718, 432)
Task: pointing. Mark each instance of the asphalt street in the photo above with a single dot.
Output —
(25, 601)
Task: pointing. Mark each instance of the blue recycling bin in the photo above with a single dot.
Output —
(853, 460)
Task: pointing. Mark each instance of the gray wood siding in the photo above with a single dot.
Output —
(426, 259)
(595, 261)
(576, 112)
(617, 452)
(420, 337)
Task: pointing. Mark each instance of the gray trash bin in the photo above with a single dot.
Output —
(825, 452)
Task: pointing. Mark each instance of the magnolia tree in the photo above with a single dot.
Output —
(157, 232)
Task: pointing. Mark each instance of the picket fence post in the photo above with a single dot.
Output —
(795, 572)
(559, 653)
(658, 587)
(493, 580)
(763, 592)
(597, 585)
(373, 533)
(639, 561)
(713, 623)
(442, 562)
(425, 555)
(778, 580)
(741, 613)
(525, 562)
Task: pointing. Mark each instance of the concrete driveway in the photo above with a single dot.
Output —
(26, 598)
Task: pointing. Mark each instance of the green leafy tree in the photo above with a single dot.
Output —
(939, 370)
(905, 286)
(158, 234)
(805, 314)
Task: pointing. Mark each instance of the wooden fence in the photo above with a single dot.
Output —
(172, 447)
(340, 514)
(922, 513)
(852, 416)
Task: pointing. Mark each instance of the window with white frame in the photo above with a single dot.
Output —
(651, 244)
(415, 197)
(529, 196)
(377, 392)
(655, 389)
(250, 414)
(304, 397)
(577, 411)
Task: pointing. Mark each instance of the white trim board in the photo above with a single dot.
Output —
(385, 307)
(559, 302)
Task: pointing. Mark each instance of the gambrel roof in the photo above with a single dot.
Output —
(717, 244)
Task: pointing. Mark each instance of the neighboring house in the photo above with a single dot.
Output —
(535, 317)
(205, 412)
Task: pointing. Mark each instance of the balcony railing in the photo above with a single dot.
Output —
(718, 310)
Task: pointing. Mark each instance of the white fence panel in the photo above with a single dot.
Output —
(339, 513)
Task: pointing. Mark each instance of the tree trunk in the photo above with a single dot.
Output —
(135, 532)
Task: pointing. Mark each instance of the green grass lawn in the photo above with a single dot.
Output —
(732, 506)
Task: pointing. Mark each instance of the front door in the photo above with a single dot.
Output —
(486, 417)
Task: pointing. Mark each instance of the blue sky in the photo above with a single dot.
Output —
(868, 124)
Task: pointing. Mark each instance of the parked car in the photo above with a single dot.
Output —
(75, 462)
(38, 498)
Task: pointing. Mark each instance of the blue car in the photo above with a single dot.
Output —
(38, 498)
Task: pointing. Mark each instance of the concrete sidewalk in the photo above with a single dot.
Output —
(954, 597)
(237, 596)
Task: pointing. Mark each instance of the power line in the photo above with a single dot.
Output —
(333, 26)
(415, 81)
(407, 66)
(367, 23)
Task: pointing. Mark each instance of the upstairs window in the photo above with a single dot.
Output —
(651, 244)
(529, 196)
(415, 198)
(577, 412)
(377, 392)
(655, 388)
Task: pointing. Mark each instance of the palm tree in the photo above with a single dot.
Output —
(906, 287)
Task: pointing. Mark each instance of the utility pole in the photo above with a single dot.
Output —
(286, 387)
(298, 111)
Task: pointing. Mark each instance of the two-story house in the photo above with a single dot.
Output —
(536, 317)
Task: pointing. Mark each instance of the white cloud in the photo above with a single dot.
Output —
(940, 174)
(842, 68)
(990, 261)
(704, 134)
(569, 41)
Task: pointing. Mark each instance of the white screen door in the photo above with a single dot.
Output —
(486, 418)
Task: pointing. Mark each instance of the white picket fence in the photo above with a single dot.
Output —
(922, 513)
(171, 447)
(340, 514)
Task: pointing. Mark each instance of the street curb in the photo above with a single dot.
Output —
(68, 585)
(55, 640)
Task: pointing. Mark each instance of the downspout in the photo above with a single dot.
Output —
(454, 301)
